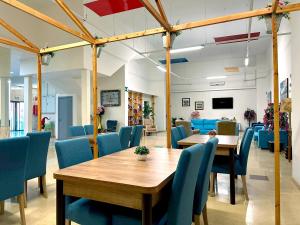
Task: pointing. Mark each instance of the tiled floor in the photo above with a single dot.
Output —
(258, 211)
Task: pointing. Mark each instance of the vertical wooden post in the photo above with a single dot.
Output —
(168, 89)
(39, 91)
(276, 121)
(95, 99)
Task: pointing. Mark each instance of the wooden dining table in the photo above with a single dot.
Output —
(226, 147)
(119, 179)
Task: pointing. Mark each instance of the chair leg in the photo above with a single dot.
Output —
(2, 207)
(21, 206)
(25, 194)
(197, 219)
(204, 214)
(44, 186)
(212, 184)
(245, 187)
(67, 222)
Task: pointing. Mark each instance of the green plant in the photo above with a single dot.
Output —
(142, 150)
(148, 111)
(281, 5)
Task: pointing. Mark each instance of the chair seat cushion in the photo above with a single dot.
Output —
(126, 216)
(87, 212)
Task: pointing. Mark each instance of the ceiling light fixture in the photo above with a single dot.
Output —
(162, 69)
(246, 61)
(216, 77)
(190, 49)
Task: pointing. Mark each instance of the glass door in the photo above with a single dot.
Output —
(16, 116)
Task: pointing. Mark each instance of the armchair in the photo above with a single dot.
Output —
(149, 127)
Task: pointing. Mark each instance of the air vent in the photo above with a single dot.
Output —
(236, 38)
(174, 61)
(217, 84)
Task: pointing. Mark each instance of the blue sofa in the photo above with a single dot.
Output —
(264, 136)
(204, 125)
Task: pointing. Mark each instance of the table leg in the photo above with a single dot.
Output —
(60, 203)
(147, 210)
(232, 177)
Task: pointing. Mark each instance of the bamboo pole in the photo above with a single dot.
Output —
(39, 91)
(276, 121)
(95, 100)
(168, 89)
(17, 45)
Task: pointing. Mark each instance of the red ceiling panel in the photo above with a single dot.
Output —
(108, 7)
(236, 38)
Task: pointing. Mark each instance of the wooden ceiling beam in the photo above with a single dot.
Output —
(156, 14)
(17, 34)
(74, 18)
(24, 8)
(289, 8)
(17, 45)
(275, 5)
(64, 47)
(162, 11)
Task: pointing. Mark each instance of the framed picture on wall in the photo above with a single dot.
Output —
(186, 102)
(284, 89)
(269, 97)
(199, 105)
(111, 98)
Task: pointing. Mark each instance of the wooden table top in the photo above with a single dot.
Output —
(225, 141)
(124, 171)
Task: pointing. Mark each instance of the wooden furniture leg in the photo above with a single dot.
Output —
(1, 207)
(204, 214)
(245, 187)
(21, 206)
(232, 177)
(60, 203)
(67, 222)
(25, 194)
(147, 210)
(44, 186)
(197, 219)
(212, 184)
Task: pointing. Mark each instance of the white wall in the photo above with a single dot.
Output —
(296, 94)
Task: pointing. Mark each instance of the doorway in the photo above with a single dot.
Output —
(65, 116)
(16, 116)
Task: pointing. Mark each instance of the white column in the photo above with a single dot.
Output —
(4, 101)
(86, 97)
(28, 104)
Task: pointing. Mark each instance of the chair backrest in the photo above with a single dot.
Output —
(125, 135)
(201, 191)
(244, 150)
(108, 144)
(148, 122)
(13, 154)
(89, 129)
(180, 210)
(187, 126)
(182, 131)
(175, 137)
(76, 131)
(136, 135)
(111, 125)
(72, 152)
(37, 154)
(226, 128)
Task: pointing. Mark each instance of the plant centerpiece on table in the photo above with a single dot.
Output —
(249, 115)
(269, 119)
(212, 133)
(100, 113)
(142, 152)
(195, 114)
(268, 18)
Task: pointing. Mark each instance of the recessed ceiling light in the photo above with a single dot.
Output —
(161, 68)
(216, 77)
(190, 49)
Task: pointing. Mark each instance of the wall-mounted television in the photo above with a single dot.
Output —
(222, 103)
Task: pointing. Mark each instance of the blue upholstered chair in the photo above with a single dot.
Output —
(175, 137)
(256, 129)
(125, 135)
(180, 208)
(111, 125)
(241, 161)
(108, 144)
(182, 132)
(81, 211)
(13, 154)
(201, 191)
(89, 129)
(76, 131)
(136, 136)
(37, 159)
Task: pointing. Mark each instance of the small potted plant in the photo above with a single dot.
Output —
(212, 133)
(142, 152)
(268, 18)
(249, 115)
